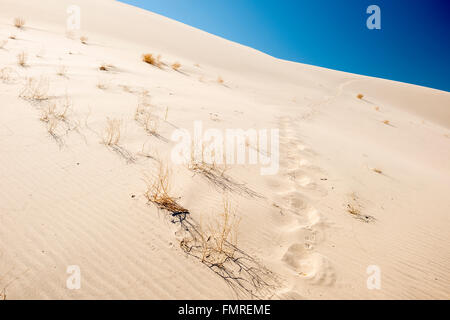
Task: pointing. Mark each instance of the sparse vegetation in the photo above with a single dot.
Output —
(84, 39)
(105, 67)
(35, 89)
(353, 210)
(220, 80)
(61, 70)
(176, 66)
(55, 113)
(22, 59)
(387, 122)
(102, 84)
(12, 37)
(215, 242)
(377, 171)
(8, 75)
(145, 116)
(19, 22)
(360, 96)
(112, 133)
(151, 59)
(158, 192)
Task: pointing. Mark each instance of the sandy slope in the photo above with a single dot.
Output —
(73, 201)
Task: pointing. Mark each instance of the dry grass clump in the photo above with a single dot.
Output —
(215, 245)
(387, 122)
(54, 113)
(145, 116)
(61, 70)
(22, 59)
(216, 242)
(215, 173)
(105, 67)
(220, 80)
(35, 89)
(8, 75)
(377, 108)
(176, 66)
(12, 37)
(151, 59)
(111, 136)
(102, 84)
(353, 210)
(360, 96)
(83, 39)
(158, 192)
(377, 171)
(19, 22)
(54, 110)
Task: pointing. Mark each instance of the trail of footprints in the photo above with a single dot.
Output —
(306, 229)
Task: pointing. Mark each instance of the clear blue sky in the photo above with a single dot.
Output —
(412, 46)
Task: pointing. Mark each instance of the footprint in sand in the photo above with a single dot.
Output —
(310, 266)
(306, 231)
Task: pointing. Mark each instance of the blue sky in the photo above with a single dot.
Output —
(412, 46)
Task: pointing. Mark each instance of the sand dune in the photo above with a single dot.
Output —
(362, 181)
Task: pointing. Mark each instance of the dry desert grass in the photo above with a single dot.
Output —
(22, 59)
(19, 22)
(35, 89)
(112, 133)
(84, 39)
(159, 190)
(61, 71)
(151, 59)
(176, 66)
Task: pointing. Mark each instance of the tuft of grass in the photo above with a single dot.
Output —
(176, 66)
(377, 171)
(102, 84)
(111, 136)
(215, 242)
(151, 59)
(105, 67)
(159, 189)
(360, 96)
(220, 80)
(35, 89)
(387, 122)
(145, 117)
(377, 108)
(61, 70)
(84, 39)
(13, 37)
(19, 22)
(353, 210)
(22, 59)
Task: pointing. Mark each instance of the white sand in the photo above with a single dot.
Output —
(70, 202)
